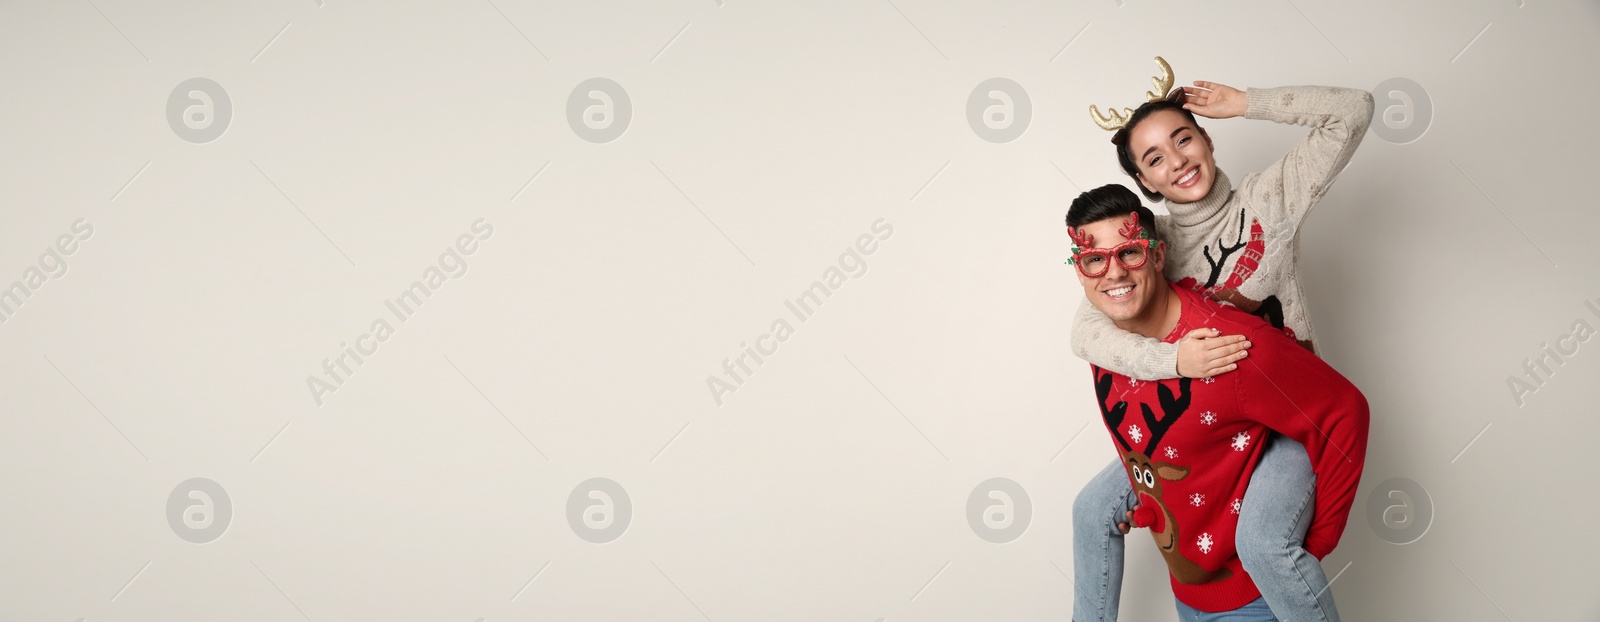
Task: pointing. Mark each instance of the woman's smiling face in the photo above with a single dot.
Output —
(1174, 156)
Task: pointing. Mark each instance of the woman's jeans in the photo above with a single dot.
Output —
(1273, 518)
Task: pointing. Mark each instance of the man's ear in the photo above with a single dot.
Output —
(1159, 256)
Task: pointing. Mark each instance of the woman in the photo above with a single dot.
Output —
(1238, 244)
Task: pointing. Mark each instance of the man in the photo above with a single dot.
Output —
(1189, 446)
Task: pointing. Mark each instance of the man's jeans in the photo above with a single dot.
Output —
(1273, 518)
(1254, 611)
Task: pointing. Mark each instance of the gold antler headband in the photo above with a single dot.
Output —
(1117, 118)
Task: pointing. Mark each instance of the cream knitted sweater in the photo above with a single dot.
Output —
(1239, 244)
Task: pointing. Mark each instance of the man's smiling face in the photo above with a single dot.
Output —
(1123, 295)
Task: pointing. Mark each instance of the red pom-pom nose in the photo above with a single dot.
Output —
(1146, 514)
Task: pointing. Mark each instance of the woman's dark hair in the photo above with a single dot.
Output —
(1120, 139)
(1110, 201)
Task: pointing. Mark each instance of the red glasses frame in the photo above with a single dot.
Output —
(1112, 254)
(1083, 247)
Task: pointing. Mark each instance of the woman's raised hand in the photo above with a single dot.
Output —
(1214, 101)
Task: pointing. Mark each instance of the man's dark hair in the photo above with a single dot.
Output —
(1110, 201)
(1120, 139)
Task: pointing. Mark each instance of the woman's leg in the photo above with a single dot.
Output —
(1097, 547)
(1273, 519)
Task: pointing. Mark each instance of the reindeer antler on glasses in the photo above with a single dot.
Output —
(1131, 229)
(1080, 241)
(1118, 118)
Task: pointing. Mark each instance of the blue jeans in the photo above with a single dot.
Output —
(1273, 518)
(1255, 611)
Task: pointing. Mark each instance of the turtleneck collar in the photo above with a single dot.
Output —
(1189, 214)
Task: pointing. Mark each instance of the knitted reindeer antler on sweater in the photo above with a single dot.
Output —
(1113, 414)
(1171, 407)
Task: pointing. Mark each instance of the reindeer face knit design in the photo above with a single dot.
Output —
(1190, 446)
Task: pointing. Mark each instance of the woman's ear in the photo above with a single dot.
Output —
(1209, 145)
(1142, 182)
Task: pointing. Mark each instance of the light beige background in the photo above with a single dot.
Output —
(765, 137)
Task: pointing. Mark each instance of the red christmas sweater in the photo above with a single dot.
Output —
(1190, 445)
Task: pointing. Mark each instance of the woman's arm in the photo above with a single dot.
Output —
(1339, 117)
(1097, 340)
(1201, 353)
